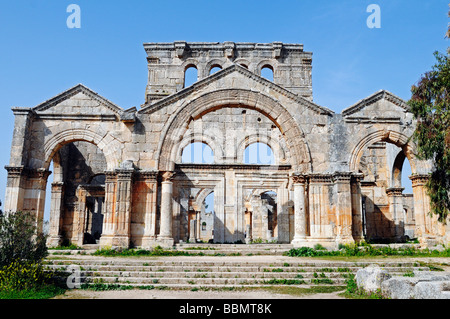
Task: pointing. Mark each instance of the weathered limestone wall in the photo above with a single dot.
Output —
(325, 163)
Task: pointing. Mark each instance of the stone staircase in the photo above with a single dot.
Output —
(235, 249)
(216, 272)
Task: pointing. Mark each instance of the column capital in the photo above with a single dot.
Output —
(299, 178)
(419, 179)
(342, 177)
(167, 176)
(395, 191)
(146, 175)
(124, 173)
(15, 171)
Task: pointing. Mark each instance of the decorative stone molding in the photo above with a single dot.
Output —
(299, 179)
(395, 191)
(167, 176)
(419, 179)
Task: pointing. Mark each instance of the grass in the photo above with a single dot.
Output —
(366, 250)
(45, 292)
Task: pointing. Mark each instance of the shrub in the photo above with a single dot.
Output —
(23, 275)
(19, 239)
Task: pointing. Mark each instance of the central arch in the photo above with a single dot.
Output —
(174, 131)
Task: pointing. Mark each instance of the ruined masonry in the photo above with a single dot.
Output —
(123, 177)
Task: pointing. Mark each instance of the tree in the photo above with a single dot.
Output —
(430, 104)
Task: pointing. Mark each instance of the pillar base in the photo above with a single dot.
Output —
(165, 242)
(54, 241)
(327, 242)
(149, 242)
(114, 241)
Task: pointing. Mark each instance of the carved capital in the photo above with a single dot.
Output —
(342, 177)
(14, 171)
(395, 191)
(321, 178)
(299, 179)
(419, 179)
(147, 175)
(167, 176)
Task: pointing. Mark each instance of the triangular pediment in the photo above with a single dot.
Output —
(381, 103)
(236, 71)
(78, 100)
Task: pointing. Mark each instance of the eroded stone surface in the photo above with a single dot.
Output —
(121, 170)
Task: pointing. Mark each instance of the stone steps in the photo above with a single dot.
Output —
(218, 272)
(206, 249)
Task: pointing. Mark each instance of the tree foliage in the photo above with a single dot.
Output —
(19, 239)
(430, 105)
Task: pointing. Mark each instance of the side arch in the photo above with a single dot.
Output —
(177, 125)
(110, 146)
(389, 136)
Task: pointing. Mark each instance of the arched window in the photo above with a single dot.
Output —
(197, 152)
(267, 72)
(209, 203)
(259, 153)
(190, 75)
(214, 69)
(406, 172)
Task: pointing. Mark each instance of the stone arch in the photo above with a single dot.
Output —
(243, 62)
(202, 138)
(397, 168)
(212, 64)
(201, 196)
(191, 63)
(265, 64)
(177, 125)
(389, 136)
(110, 147)
(279, 151)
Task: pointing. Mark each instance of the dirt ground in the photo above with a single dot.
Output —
(187, 294)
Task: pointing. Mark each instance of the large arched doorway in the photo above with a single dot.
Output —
(77, 194)
(230, 149)
(389, 213)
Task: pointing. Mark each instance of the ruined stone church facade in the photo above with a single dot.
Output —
(119, 178)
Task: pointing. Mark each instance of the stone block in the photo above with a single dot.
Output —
(371, 278)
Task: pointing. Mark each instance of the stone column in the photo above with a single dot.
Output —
(421, 207)
(357, 224)
(147, 193)
(165, 230)
(16, 180)
(79, 217)
(343, 207)
(34, 193)
(123, 207)
(55, 238)
(15, 185)
(395, 197)
(109, 209)
(300, 226)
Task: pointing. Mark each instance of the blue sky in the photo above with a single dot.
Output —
(41, 57)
